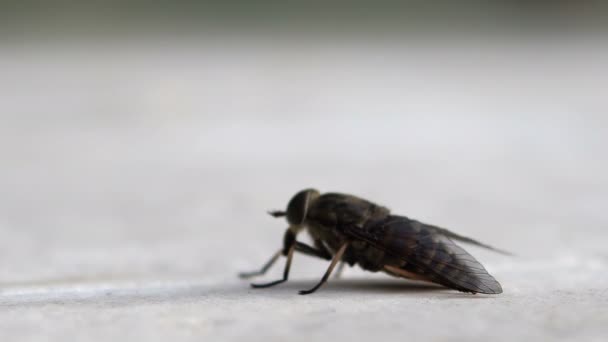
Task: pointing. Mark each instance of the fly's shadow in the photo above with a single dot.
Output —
(370, 286)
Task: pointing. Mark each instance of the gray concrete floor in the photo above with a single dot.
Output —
(135, 180)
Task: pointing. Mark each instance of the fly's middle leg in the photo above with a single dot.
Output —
(334, 261)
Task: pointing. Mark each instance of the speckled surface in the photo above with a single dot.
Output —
(135, 180)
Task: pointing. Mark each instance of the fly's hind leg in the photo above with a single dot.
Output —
(340, 269)
(334, 261)
(289, 244)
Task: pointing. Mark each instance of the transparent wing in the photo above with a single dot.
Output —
(464, 239)
(428, 253)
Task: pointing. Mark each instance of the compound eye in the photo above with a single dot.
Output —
(298, 206)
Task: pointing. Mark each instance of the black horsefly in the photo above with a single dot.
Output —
(351, 230)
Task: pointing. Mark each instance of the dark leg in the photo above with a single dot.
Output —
(264, 268)
(300, 247)
(308, 250)
(335, 260)
(285, 272)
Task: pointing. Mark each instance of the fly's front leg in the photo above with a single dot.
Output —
(299, 247)
(266, 267)
(289, 245)
(285, 271)
(334, 261)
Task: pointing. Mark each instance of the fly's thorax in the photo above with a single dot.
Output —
(329, 235)
(334, 209)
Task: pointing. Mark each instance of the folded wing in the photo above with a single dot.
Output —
(464, 239)
(428, 253)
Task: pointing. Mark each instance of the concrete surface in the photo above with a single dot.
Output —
(135, 180)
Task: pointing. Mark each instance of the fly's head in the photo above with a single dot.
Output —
(297, 208)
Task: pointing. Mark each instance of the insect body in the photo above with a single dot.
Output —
(355, 231)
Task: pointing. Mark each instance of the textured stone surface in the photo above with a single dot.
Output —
(134, 181)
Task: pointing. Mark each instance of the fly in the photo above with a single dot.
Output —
(352, 230)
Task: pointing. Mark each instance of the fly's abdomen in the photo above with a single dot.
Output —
(367, 256)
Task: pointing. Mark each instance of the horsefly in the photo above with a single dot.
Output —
(352, 230)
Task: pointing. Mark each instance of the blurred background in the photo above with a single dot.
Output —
(146, 140)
